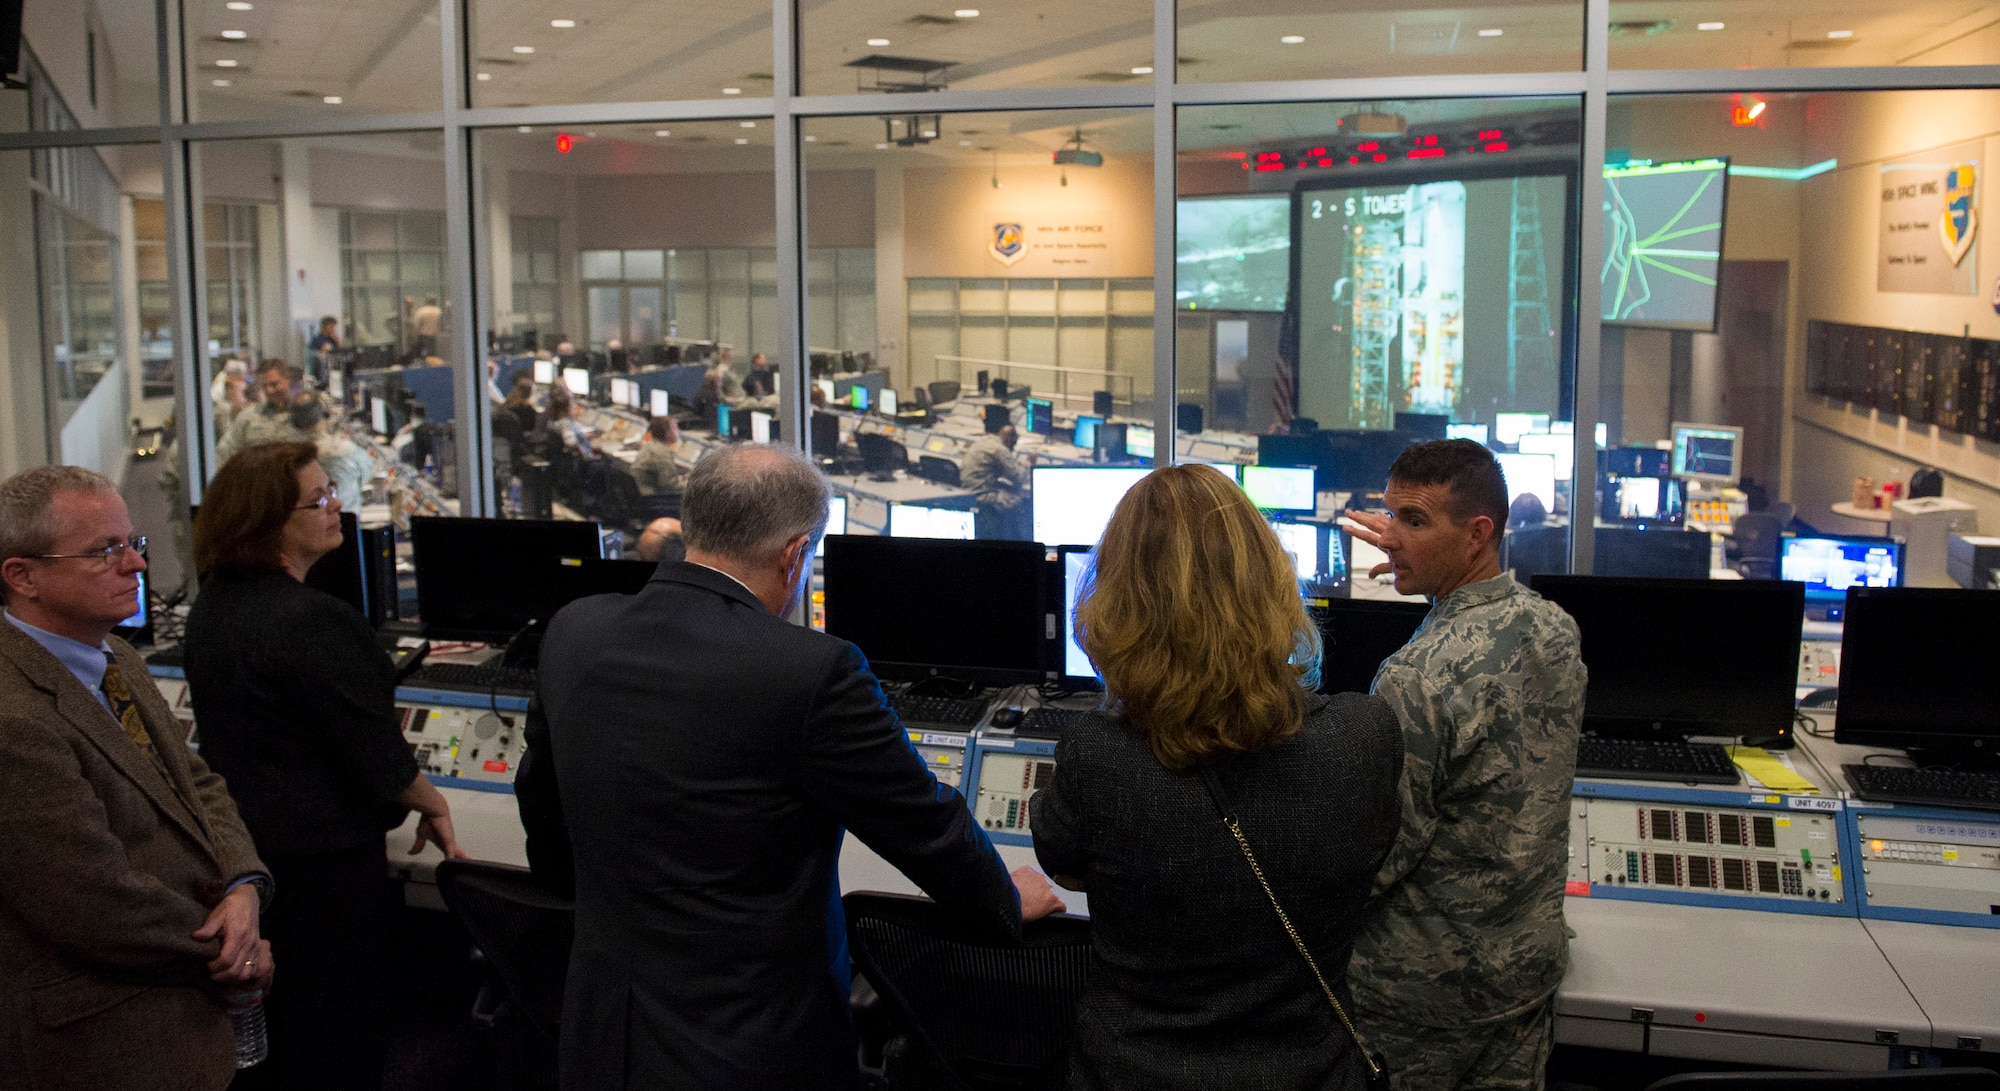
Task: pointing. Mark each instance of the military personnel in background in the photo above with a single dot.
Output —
(1454, 975)
(998, 480)
(654, 468)
(270, 421)
(348, 467)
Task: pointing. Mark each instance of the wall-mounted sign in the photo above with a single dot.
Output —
(1930, 223)
(1009, 244)
(1059, 249)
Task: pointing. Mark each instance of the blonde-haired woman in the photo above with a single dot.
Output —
(1192, 615)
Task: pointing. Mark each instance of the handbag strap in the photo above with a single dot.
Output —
(1216, 795)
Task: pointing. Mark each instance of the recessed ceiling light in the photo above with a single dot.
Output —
(1293, 39)
(1491, 32)
(1708, 26)
(965, 143)
(486, 75)
(524, 49)
(663, 132)
(1840, 34)
(881, 147)
(878, 41)
(236, 35)
(563, 24)
(967, 13)
(239, 5)
(1143, 70)
(748, 124)
(525, 129)
(225, 63)
(810, 138)
(331, 100)
(743, 140)
(732, 90)
(220, 83)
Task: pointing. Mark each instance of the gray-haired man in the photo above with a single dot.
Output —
(710, 755)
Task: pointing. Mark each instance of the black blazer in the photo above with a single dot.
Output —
(1193, 982)
(709, 756)
(296, 706)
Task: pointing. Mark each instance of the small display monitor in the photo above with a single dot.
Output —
(922, 608)
(1709, 453)
(1474, 432)
(1073, 504)
(1916, 669)
(1139, 441)
(887, 404)
(545, 372)
(918, 521)
(1280, 488)
(1529, 473)
(1559, 447)
(825, 390)
(622, 391)
(1635, 462)
(1230, 470)
(577, 379)
(378, 416)
(657, 402)
(141, 622)
(1673, 658)
(724, 422)
(1077, 670)
(336, 383)
(858, 397)
(825, 434)
(1828, 566)
(487, 579)
(1040, 414)
(1508, 428)
(760, 426)
(1644, 500)
(1086, 432)
(1304, 541)
(836, 521)
(1356, 635)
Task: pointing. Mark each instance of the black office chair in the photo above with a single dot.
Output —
(941, 470)
(1531, 551)
(525, 932)
(1759, 535)
(944, 390)
(619, 506)
(974, 1009)
(660, 505)
(1908, 1079)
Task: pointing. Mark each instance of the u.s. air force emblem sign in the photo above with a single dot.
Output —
(1959, 221)
(1009, 243)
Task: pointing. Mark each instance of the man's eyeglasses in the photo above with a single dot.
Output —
(331, 494)
(110, 554)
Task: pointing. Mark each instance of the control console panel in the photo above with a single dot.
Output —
(1944, 868)
(944, 754)
(1680, 851)
(479, 745)
(1009, 771)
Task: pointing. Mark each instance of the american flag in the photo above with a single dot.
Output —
(1281, 393)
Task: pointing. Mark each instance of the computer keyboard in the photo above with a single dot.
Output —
(942, 711)
(1654, 759)
(1048, 723)
(1925, 787)
(474, 678)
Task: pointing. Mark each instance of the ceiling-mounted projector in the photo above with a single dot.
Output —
(1374, 125)
(1078, 157)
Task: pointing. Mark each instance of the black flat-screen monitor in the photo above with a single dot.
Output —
(1674, 658)
(488, 579)
(1635, 462)
(825, 435)
(1657, 552)
(1916, 668)
(934, 608)
(1356, 635)
(343, 573)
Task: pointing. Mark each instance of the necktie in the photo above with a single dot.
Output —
(124, 709)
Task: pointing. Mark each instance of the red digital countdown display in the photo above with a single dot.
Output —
(1357, 153)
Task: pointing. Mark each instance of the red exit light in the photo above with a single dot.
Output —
(564, 143)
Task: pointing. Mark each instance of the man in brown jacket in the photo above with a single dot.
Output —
(129, 889)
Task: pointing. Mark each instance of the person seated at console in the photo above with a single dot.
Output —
(661, 541)
(1191, 611)
(728, 385)
(762, 382)
(655, 469)
(575, 439)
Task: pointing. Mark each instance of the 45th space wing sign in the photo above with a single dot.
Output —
(1930, 223)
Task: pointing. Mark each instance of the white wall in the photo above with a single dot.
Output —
(96, 436)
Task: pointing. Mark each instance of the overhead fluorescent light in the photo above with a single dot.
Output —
(331, 100)
(1293, 39)
(225, 63)
(878, 41)
(1840, 34)
(236, 35)
(524, 50)
(1491, 32)
(967, 13)
(1708, 26)
(563, 24)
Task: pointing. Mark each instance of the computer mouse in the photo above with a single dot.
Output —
(1006, 717)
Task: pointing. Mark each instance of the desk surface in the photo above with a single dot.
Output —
(1873, 515)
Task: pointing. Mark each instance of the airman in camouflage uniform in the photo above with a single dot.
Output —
(267, 422)
(1454, 975)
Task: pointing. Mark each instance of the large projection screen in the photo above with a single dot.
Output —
(1663, 243)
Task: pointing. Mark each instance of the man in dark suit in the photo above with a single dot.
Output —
(710, 755)
(129, 889)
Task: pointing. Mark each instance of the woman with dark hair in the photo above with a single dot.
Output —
(1191, 611)
(296, 703)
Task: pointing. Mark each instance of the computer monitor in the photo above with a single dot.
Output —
(1424, 426)
(761, 429)
(343, 572)
(725, 422)
(1635, 462)
(1916, 668)
(1560, 448)
(880, 455)
(919, 521)
(623, 392)
(1306, 542)
(858, 397)
(1086, 432)
(1828, 566)
(336, 383)
(1139, 441)
(922, 608)
(1230, 470)
(825, 390)
(605, 576)
(1529, 474)
(1077, 671)
(577, 379)
(378, 416)
(488, 579)
(137, 629)
(1508, 428)
(545, 371)
(1634, 500)
(657, 403)
(836, 521)
(1040, 414)
(1280, 488)
(1110, 446)
(887, 403)
(1474, 432)
(825, 434)
(1673, 658)
(1709, 453)
(1356, 635)
(1652, 551)
(1073, 504)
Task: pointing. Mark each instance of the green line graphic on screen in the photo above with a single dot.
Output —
(1663, 242)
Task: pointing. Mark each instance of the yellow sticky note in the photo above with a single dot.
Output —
(1772, 773)
(1784, 821)
(1836, 874)
(1951, 854)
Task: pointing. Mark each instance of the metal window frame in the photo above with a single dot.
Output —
(459, 122)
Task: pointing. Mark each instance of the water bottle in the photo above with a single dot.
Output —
(246, 1017)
